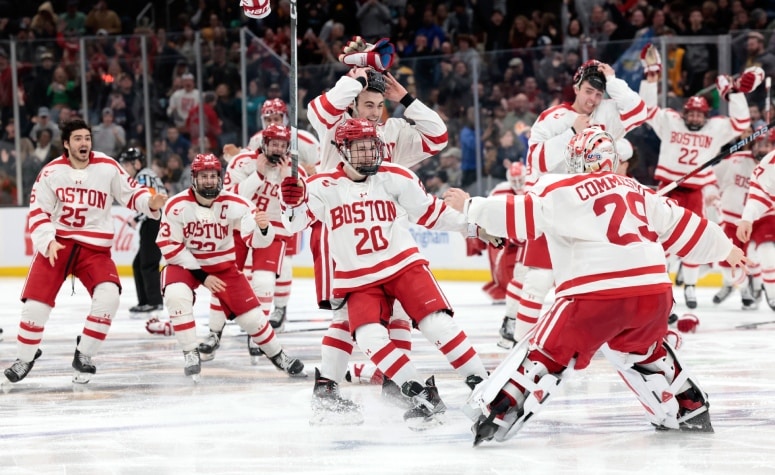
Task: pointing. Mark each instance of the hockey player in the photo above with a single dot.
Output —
(71, 225)
(733, 175)
(196, 239)
(145, 266)
(361, 202)
(613, 290)
(262, 188)
(691, 138)
(549, 137)
(757, 224)
(361, 93)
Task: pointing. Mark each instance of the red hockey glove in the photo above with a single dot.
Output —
(293, 190)
(256, 8)
(688, 323)
(650, 59)
(750, 79)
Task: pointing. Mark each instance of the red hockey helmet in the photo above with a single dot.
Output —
(273, 107)
(517, 175)
(204, 162)
(366, 155)
(697, 103)
(275, 132)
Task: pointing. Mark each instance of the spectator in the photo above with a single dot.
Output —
(177, 143)
(431, 30)
(41, 77)
(178, 176)
(698, 58)
(45, 150)
(44, 122)
(229, 113)
(102, 18)
(510, 149)
(44, 23)
(374, 20)
(757, 55)
(449, 163)
(74, 19)
(436, 183)
(212, 124)
(459, 21)
(183, 101)
(107, 137)
(60, 92)
(219, 71)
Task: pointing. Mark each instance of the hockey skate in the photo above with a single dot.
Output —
(207, 348)
(750, 298)
(393, 395)
(428, 407)
(1, 334)
(192, 364)
(293, 366)
(690, 296)
(488, 425)
(679, 275)
(693, 408)
(142, 311)
(20, 369)
(154, 326)
(507, 341)
(277, 319)
(722, 294)
(82, 364)
(254, 351)
(473, 380)
(329, 407)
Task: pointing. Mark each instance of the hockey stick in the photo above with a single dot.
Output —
(737, 146)
(768, 104)
(755, 325)
(294, 92)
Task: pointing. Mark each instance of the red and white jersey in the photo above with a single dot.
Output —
(263, 190)
(683, 150)
(761, 194)
(367, 241)
(552, 131)
(76, 203)
(308, 145)
(607, 233)
(734, 176)
(240, 167)
(407, 144)
(503, 190)
(199, 237)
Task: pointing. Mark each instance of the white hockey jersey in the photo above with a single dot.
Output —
(309, 147)
(263, 190)
(761, 194)
(552, 131)
(76, 203)
(407, 144)
(367, 243)
(734, 176)
(606, 230)
(683, 150)
(200, 237)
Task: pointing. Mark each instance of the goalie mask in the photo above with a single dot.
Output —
(695, 113)
(274, 111)
(360, 146)
(275, 143)
(206, 176)
(591, 150)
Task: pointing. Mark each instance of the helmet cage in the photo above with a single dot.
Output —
(591, 150)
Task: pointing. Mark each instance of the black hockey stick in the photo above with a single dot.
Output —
(735, 147)
(755, 325)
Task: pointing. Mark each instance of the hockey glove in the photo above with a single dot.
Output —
(379, 56)
(750, 79)
(154, 326)
(688, 323)
(256, 8)
(650, 59)
(477, 231)
(356, 45)
(725, 86)
(293, 191)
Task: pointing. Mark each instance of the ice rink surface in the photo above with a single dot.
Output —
(140, 414)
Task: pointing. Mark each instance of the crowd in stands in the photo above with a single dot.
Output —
(522, 63)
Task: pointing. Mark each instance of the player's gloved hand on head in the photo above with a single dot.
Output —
(293, 191)
(379, 56)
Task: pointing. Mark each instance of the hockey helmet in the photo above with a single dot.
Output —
(272, 108)
(591, 150)
(517, 175)
(695, 121)
(375, 81)
(275, 132)
(360, 145)
(131, 154)
(590, 73)
(206, 162)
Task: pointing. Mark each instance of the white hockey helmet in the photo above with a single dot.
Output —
(591, 150)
